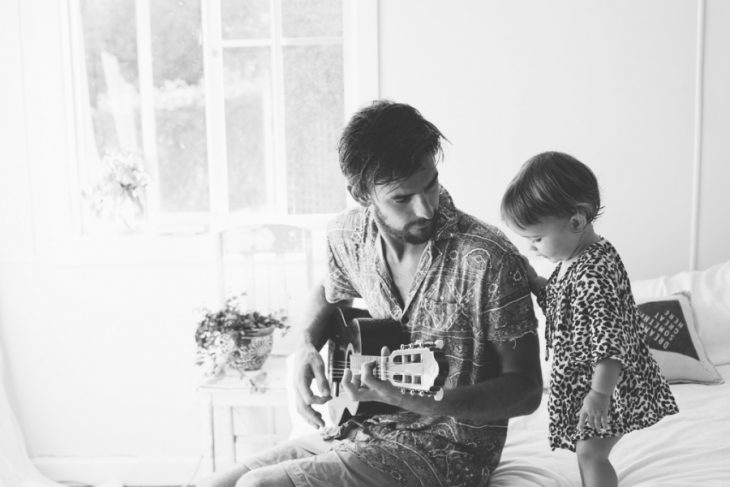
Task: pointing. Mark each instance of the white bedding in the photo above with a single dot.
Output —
(689, 449)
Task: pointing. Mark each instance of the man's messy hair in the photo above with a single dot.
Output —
(383, 143)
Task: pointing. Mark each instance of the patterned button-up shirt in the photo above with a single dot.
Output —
(470, 290)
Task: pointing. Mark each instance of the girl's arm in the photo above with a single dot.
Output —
(537, 283)
(606, 376)
(596, 403)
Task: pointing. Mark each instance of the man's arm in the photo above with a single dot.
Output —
(308, 363)
(516, 391)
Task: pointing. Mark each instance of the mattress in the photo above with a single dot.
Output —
(688, 449)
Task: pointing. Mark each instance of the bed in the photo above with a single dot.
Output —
(688, 320)
(689, 449)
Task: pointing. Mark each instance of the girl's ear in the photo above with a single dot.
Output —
(578, 221)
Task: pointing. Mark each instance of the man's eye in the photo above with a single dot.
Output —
(400, 200)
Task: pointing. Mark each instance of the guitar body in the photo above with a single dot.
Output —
(354, 338)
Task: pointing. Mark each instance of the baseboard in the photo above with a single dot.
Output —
(128, 471)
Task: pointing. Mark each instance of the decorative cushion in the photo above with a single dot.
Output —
(710, 297)
(674, 341)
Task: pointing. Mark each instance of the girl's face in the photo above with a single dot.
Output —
(556, 239)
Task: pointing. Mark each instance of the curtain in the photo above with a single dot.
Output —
(16, 469)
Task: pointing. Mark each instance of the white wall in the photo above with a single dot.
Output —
(99, 342)
(612, 83)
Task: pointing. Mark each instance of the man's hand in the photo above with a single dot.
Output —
(594, 411)
(309, 366)
(366, 387)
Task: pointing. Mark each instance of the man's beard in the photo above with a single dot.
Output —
(415, 232)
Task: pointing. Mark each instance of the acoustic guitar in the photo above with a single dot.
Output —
(355, 338)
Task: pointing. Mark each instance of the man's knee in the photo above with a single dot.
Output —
(226, 478)
(271, 476)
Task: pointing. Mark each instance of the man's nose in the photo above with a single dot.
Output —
(424, 208)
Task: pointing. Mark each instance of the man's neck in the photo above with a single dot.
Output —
(397, 250)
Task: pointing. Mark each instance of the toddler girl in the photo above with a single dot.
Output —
(604, 382)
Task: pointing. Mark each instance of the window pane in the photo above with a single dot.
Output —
(301, 18)
(177, 62)
(245, 19)
(313, 80)
(110, 46)
(248, 108)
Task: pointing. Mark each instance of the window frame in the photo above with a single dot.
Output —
(361, 85)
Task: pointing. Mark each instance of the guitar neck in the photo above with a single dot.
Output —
(356, 361)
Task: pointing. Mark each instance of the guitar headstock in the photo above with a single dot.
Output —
(416, 368)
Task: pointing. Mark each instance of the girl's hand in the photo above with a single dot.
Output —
(594, 411)
(536, 282)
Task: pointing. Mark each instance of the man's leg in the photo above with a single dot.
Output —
(298, 448)
(333, 468)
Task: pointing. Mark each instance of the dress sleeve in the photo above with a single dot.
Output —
(600, 320)
(338, 285)
(506, 300)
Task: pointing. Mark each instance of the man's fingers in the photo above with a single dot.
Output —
(310, 415)
(350, 383)
(366, 374)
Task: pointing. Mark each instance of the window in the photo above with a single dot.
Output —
(209, 109)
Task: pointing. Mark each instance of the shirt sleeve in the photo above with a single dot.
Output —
(599, 321)
(506, 299)
(338, 284)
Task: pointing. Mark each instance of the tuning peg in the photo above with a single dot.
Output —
(402, 346)
(418, 343)
(422, 393)
(438, 394)
(439, 344)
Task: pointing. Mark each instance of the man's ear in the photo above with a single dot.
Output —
(362, 201)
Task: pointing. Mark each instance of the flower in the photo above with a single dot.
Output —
(231, 336)
(118, 193)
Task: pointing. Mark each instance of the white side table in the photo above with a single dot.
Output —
(220, 396)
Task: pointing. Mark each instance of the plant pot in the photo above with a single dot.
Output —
(252, 351)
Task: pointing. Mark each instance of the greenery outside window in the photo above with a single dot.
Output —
(230, 108)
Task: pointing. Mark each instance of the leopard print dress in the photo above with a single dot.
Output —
(591, 316)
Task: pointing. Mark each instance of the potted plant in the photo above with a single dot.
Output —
(233, 339)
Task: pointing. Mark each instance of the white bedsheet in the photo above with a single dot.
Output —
(689, 449)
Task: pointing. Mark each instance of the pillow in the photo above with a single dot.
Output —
(710, 292)
(674, 342)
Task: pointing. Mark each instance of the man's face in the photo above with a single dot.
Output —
(406, 210)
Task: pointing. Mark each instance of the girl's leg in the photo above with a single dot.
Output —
(595, 469)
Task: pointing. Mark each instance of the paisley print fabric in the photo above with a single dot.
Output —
(470, 290)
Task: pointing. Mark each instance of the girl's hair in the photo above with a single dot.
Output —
(551, 184)
(383, 143)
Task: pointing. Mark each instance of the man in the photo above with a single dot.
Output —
(413, 257)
